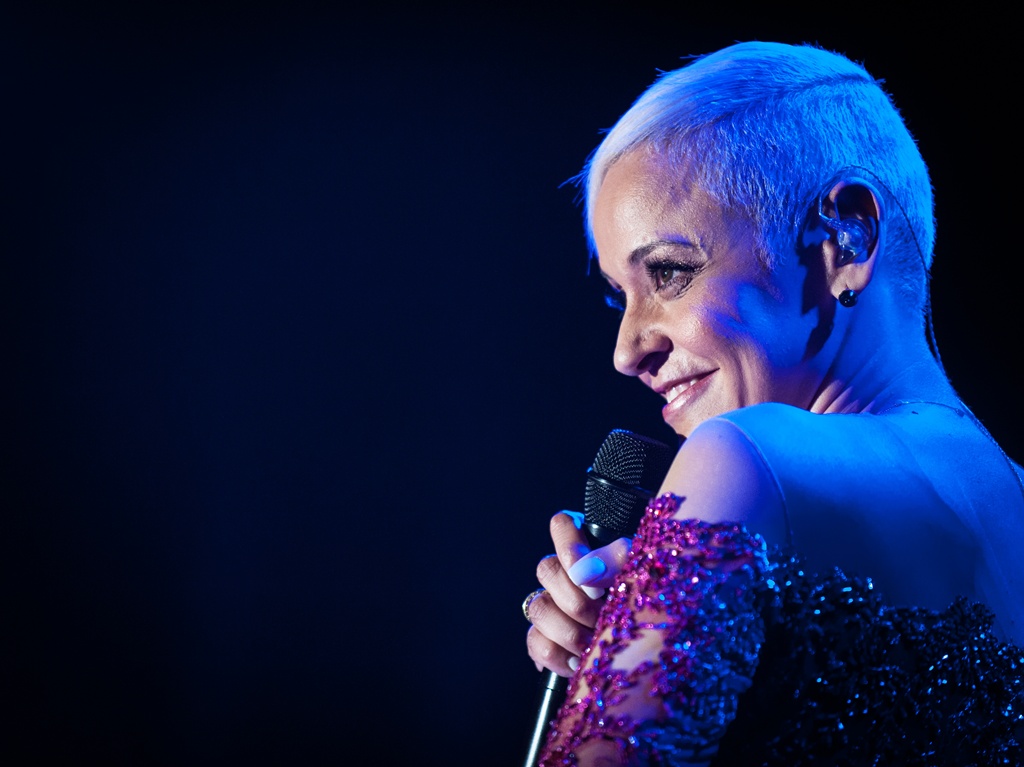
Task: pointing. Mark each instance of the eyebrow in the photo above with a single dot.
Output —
(637, 254)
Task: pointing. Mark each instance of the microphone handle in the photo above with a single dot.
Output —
(553, 687)
(549, 698)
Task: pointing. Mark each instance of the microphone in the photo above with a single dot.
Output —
(625, 475)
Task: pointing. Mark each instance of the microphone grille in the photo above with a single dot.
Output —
(626, 473)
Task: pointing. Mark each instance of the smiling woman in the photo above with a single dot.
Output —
(704, 324)
(833, 544)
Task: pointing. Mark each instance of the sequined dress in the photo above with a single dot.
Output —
(760, 662)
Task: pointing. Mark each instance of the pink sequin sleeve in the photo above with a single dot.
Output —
(676, 643)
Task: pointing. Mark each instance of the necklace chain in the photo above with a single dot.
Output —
(960, 411)
(902, 402)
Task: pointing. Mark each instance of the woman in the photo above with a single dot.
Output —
(835, 513)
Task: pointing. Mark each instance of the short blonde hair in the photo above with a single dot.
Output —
(765, 126)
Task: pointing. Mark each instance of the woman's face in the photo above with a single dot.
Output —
(705, 324)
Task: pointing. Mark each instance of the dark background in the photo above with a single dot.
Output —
(302, 354)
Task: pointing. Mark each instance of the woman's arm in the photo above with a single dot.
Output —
(677, 638)
(676, 643)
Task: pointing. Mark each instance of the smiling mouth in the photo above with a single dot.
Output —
(681, 387)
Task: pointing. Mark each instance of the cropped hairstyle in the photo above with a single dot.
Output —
(767, 126)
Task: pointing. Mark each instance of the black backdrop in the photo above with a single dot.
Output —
(303, 356)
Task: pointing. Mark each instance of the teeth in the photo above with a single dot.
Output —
(678, 389)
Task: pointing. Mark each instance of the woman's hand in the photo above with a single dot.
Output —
(574, 579)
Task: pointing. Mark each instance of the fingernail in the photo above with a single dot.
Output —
(577, 518)
(586, 569)
(539, 667)
(574, 662)
(593, 592)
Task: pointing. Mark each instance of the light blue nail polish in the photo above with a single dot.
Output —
(577, 518)
(586, 570)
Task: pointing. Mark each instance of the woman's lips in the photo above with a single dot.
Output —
(680, 395)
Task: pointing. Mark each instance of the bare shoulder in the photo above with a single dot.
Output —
(919, 500)
(722, 476)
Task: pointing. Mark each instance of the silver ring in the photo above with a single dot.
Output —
(526, 603)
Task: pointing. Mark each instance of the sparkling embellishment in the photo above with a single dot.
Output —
(689, 583)
(842, 678)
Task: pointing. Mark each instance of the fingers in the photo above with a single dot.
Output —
(567, 534)
(571, 543)
(574, 578)
(563, 619)
(545, 654)
(555, 641)
(599, 568)
(561, 595)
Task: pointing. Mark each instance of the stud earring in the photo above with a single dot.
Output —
(848, 298)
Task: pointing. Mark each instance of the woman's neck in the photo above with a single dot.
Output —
(881, 378)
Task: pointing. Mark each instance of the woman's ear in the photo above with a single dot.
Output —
(850, 215)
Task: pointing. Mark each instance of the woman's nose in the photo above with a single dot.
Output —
(641, 346)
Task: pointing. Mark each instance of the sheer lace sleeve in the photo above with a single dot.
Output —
(676, 644)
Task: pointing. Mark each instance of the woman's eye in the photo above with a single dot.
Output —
(663, 276)
(675, 275)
